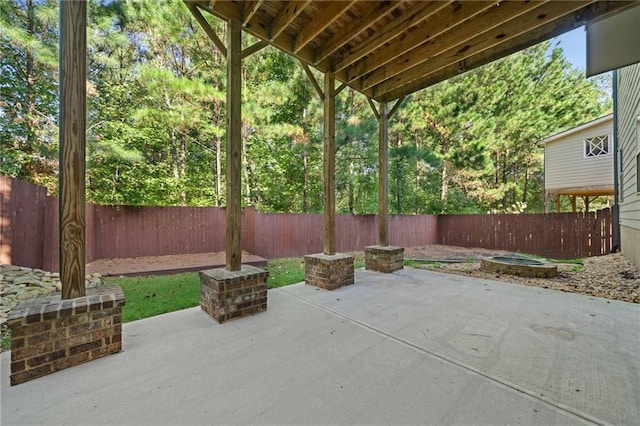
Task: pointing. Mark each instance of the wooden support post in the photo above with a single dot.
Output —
(234, 145)
(383, 174)
(72, 120)
(329, 169)
(573, 203)
(556, 200)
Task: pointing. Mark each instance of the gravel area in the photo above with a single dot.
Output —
(18, 283)
(611, 276)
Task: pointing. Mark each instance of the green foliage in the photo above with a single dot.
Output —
(157, 113)
(28, 90)
(483, 127)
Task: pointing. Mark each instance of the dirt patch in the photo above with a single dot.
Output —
(611, 276)
(168, 264)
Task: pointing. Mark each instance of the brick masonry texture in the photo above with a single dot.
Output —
(49, 334)
(384, 258)
(532, 271)
(226, 295)
(328, 271)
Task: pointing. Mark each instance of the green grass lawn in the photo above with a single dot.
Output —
(285, 271)
(155, 295)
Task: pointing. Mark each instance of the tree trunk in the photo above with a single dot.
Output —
(218, 172)
(183, 166)
(174, 141)
(398, 186)
(496, 178)
(350, 195)
(31, 167)
(398, 179)
(218, 147)
(174, 155)
(505, 172)
(444, 184)
(525, 187)
(304, 181)
(245, 172)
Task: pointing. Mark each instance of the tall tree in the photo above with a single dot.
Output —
(28, 90)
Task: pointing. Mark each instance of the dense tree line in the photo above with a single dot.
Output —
(156, 127)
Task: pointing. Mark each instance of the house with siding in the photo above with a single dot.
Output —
(628, 110)
(578, 162)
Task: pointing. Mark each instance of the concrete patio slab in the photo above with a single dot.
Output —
(412, 347)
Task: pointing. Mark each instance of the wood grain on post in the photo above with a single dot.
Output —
(329, 165)
(234, 145)
(73, 102)
(383, 174)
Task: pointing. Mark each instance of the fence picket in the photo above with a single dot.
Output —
(29, 230)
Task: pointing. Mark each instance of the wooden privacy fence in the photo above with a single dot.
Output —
(29, 231)
(555, 235)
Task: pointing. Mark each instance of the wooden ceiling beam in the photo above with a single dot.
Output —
(260, 29)
(490, 28)
(285, 17)
(354, 28)
(418, 13)
(456, 15)
(225, 10)
(249, 10)
(527, 39)
(396, 106)
(256, 47)
(312, 79)
(325, 17)
(374, 108)
(207, 28)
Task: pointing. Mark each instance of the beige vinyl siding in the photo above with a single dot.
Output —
(566, 165)
(628, 112)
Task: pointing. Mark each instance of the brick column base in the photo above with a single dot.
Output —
(384, 258)
(49, 334)
(226, 295)
(328, 271)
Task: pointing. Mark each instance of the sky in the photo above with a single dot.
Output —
(574, 44)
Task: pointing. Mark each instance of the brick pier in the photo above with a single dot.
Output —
(328, 271)
(384, 258)
(49, 334)
(226, 295)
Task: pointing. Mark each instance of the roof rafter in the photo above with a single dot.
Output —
(256, 47)
(390, 48)
(249, 10)
(287, 15)
(434, 27)
(420, 12)
(354, 29)
(325, 17)
(457, 52)
(260, 29)
(516, 44)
